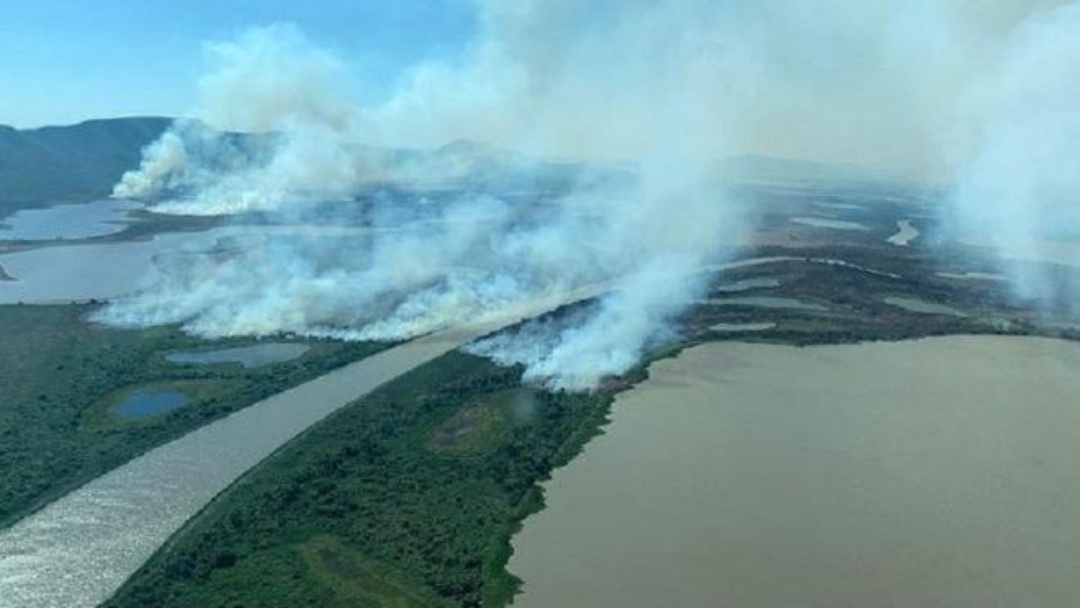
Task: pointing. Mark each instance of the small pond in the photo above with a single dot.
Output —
(972, 276)
(741, 327)
(905, 233)
(923, 307)
(256, 355)
(748, 284)
(820, 222)
(150, 402)
(769, 302)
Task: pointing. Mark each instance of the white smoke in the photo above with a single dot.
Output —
(1018, 140)
(412, 265)
(270, 80)
(671, 85)
(162, 161)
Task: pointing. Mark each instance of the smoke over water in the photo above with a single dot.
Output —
(377, 227)
(365, 241)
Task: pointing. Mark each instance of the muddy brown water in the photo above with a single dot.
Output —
(934, 473)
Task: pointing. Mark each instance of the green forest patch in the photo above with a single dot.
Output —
(61, 376)
(369, 508)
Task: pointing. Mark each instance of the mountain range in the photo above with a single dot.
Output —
(70, 163)
(82, 162)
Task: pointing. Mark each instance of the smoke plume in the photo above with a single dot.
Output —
(1018, 138)
(411, 261)
(273, 81)
(383, 231)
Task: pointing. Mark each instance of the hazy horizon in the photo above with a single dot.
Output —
(881, 84)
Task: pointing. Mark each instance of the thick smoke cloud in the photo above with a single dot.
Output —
(412, 265)
(939, 88)
(270, 80)
(873, 82)
(1018, 185)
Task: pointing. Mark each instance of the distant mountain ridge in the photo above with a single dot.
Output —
(70, 163)
(82, 162)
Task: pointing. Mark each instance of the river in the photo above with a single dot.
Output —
(941, 472)
(78, 550)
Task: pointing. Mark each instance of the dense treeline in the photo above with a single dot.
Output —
(61, 376)
(377, 505)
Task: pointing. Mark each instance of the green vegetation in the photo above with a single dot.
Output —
(406, 498)
(855, 300)
(70, 164)
(61, 378)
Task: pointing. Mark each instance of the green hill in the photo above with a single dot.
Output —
(70, 163)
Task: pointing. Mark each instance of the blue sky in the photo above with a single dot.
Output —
(63, 61)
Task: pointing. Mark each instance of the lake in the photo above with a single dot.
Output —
(92, 271)
(79, 272)
(69, 221)
(941, 472)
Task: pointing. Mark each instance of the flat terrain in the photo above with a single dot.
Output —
(410, 496)
(63, 378)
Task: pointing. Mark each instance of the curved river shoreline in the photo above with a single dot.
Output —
(79, 549)
(941, 472)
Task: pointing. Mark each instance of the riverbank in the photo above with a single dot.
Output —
(61, 376)
(407, 497)
(341, 520)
